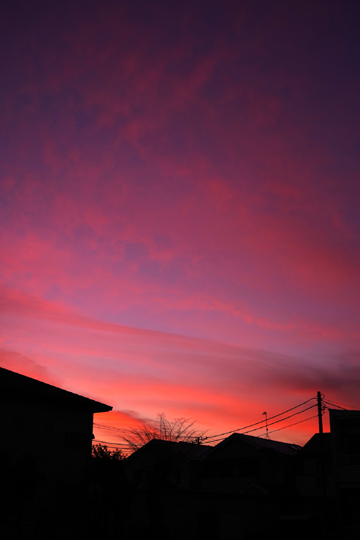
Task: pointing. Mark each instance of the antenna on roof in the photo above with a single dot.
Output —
(267, 431)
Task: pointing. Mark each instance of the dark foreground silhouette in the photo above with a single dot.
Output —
(244, 488)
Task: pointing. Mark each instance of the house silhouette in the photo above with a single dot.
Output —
(203, 491)
(247, 487)
(51, 424)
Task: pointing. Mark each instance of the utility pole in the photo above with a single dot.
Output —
(319, 403)
(322, 467)
(267, 431)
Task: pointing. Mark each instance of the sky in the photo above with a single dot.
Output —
(179, 206)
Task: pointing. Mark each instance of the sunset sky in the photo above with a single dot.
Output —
(179, 206)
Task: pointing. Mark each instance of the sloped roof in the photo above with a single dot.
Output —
(313, 446)
(192, 450)
(184, 449)
(253, 488)
(259, 443)
(16, 386)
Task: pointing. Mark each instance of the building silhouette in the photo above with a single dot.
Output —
(50, 424)
(345, 436)
(243, 488)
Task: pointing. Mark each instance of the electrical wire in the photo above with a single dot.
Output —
(111, 444)
(219, 437)
(279, 429)
(332, 405)
(108, 428)
(282, 419)
(124, 450)
(271, 424)
(347, 406)
(338, 406)
(261, 422)
(294, 424)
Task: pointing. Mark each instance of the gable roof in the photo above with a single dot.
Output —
(258, 443)
(182, 449)
(16, 386)
(253, 489)
(313, 445)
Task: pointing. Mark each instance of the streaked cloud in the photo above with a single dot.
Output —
(179, 225)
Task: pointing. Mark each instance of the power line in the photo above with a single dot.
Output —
(338, 406)
(261, 422)
(111, 444)
(271, 424)
(347, 406)
(294, 424)
(219, 437)
(108, 428)
(282, 419)
(333, 405)
(124, 450)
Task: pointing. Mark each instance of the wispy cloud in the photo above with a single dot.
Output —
(221, 386)
(179, 202)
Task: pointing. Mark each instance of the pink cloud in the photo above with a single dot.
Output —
(222, 387)
(15, 361)
(161, 177)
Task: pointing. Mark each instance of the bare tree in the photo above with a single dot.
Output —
(176, 431)
(161, 455)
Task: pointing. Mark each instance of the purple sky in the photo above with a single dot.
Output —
(179, 205)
